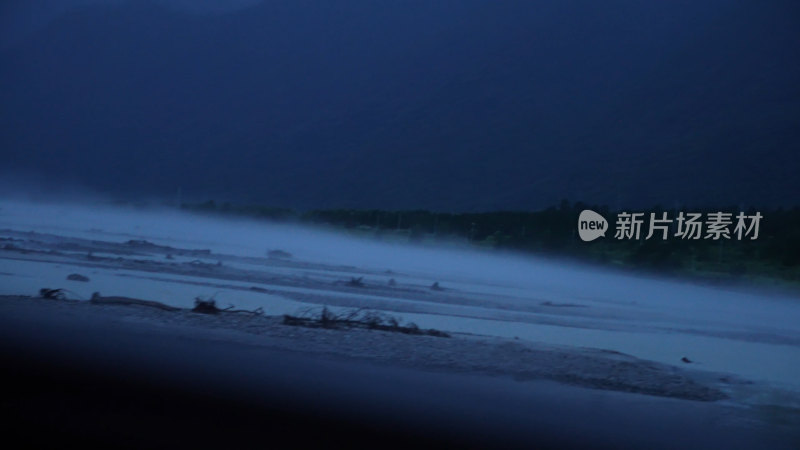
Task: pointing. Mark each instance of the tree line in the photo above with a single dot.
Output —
(774, 255)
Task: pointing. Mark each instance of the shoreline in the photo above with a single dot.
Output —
(253, 359)
(461, 353)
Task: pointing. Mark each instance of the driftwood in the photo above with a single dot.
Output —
(59, 294)
(356, 282)
(210, 307)
(115, 300)
(52, 294)
(205, 306)
(200, 305)
(358, 318)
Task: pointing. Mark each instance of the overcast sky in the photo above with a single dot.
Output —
(450, 104)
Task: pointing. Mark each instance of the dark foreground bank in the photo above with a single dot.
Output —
(78, 379)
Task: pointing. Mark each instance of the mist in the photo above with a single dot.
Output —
(484, 292)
